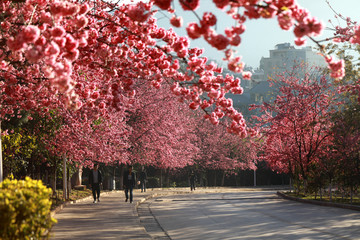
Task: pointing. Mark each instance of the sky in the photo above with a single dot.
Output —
(262, 35)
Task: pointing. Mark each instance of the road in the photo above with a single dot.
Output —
(249, 215)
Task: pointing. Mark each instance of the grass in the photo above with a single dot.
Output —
(58, 198)
(326, 198)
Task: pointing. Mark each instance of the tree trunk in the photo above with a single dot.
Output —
(320, 193)
(161, 180)
(121, 167)
(215, 173)
(114, 176)
(201, 180)
(68, 183)
(64, 178)
(167, 177)
(223, 179)
(330, 191)
(53, 181)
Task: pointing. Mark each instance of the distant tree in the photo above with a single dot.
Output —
(346, 145)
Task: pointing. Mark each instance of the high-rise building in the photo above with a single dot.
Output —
(285, 56)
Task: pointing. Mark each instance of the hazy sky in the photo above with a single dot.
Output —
(262, 35)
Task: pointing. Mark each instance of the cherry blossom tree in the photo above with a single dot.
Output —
(296, 125)
(162, 129)
(222, 151)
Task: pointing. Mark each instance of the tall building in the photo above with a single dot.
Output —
(285, 56)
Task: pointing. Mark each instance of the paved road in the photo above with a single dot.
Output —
(247, 215)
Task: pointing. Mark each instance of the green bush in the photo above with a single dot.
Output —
(25, 209)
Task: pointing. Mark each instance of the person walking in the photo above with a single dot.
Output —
(192, 180)
(143, 179)
(129, 183)
(95, 179)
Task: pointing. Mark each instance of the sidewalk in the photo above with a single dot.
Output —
(111, 218)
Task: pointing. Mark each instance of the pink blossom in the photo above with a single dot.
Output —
(194, 105)
(300, 41)
(193, 31)
(95, 95)
(209, 19)
(182, 53)
(213, 94)
(60, 42)
(247, 75)
(71, 44)
(235, 40)
(221, 3)
(285, 3)
(34, 54)
(41, 41)
(337, 68)
(138, 12)
(30, 34)
(301, 30)
(219, 41)
(84, 8)
(214, 120)
(285, 20)
(72, 55)
(176, 21)
(268, 12)
(237, 90)
(15, 44)
(163, 4)
(356, 37)
(239, 29)
(189, 4)
(58, 32)
(235, 65)
(45, 17)
(3, 65)
(315, 27)
(81, 22)
(70, 9)
(4, 132)
(102, 105)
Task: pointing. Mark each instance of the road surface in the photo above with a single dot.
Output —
(245, 215)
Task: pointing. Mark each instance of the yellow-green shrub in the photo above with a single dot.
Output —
(24, 209)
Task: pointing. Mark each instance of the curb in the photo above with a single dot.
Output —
(320, 203)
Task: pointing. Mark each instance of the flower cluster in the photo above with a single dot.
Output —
(337, 67)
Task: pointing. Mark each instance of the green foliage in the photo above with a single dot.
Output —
(16, 148)
(25, 209)
(153, 182)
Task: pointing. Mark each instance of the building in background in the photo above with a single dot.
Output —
(285, 56)
(282, 59)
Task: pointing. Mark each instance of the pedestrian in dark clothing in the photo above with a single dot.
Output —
(143, 179)
(95, 179)
(192, 180)
(129, 183)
